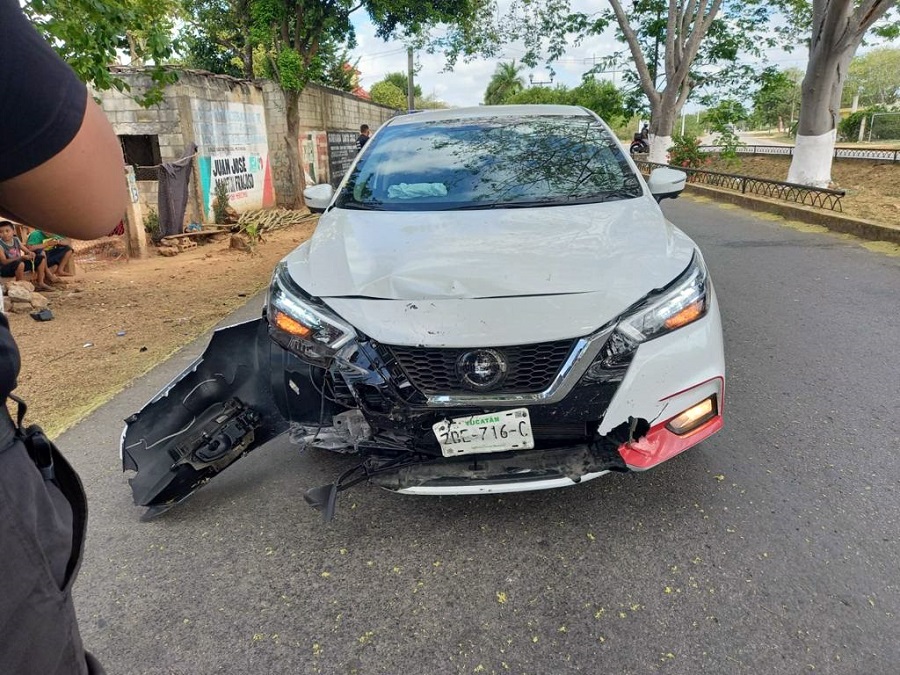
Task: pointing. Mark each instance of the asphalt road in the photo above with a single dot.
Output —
(771, 548)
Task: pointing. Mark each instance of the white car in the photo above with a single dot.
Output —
(492, 301)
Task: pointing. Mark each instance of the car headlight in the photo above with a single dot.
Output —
(300, 324)
(680, 303)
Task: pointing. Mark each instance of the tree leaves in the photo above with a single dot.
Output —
(89, 34)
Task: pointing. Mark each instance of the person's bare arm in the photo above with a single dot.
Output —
(79, 192)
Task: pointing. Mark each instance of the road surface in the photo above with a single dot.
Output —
(771, 548)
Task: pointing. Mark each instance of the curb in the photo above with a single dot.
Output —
(860, 228)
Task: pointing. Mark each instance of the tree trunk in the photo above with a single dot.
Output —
(820, 109)
(133, 52)
(247, 58)
(838, 26)
(662, 125)
(292, 143)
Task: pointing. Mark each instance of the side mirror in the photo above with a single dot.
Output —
(318, 197)
(666, 183)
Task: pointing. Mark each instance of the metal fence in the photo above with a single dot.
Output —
(881, 154)
(822, 198)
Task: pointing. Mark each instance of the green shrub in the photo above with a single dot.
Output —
(848, 128)
(151, 224)
(685, 151)
(220, 203)
(727, 141)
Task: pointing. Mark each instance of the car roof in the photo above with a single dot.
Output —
(484, 111)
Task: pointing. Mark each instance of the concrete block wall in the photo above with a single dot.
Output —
(129, 118)
(148, 196)
(276, 128)
(321, 109)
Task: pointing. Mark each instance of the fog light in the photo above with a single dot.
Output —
(694, 416)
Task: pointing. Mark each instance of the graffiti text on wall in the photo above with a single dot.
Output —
(233, 151)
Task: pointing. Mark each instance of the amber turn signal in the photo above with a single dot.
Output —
(690, 313)
(291, 326)
(694, 416)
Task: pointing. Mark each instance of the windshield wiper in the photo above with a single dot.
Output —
(477, 206)
(628, 193)
(360, 206)
(535, 203)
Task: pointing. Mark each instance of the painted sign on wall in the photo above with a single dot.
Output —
(233, 149)
(341, 153)
(314, 148)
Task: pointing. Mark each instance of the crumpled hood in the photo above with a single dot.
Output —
(572, 267)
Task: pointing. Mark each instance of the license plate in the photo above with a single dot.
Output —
(490, 432)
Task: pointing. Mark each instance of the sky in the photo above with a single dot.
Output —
(466, 83)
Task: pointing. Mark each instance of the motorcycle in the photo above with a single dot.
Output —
(639, 145)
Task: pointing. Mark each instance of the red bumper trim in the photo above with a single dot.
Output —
(660, 444)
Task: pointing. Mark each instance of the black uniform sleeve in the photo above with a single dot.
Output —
(42, 102)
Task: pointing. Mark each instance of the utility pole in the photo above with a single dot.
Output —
(410, 86)
(539, 83)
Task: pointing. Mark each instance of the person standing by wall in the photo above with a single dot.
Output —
(363, 137)
(60, 169)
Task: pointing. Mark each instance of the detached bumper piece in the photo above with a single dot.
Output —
(475, 474)
(214, 413)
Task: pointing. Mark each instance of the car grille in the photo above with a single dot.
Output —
(530, 368)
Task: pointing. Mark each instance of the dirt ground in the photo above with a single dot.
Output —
(77, 361)
(873, 188)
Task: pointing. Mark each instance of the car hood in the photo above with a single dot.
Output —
(421, 277)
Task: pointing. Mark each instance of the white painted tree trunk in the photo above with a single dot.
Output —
(659, 148)
(812, 159)
(819, 114)
(838, 27)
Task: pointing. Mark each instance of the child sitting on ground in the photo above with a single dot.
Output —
(15, 259)
(57, 251)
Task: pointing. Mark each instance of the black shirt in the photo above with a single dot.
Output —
(42, 106)
(361, 141)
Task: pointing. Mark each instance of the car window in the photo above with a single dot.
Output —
(494, 162)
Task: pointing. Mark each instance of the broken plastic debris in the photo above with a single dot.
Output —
(88, 344)
(120, 333)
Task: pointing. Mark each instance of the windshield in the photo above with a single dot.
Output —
(494, 162)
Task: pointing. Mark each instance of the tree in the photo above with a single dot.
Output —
(874, 77)
(401, 81)
(776, 99)
(430, 103)
(295, 37)
(728, 112)
(601, 96)
(90, 34)
(541, 95)
(336, 70)
(673, 46)
(387, 93)
(837, 28)
(505, 83)
(217, 37)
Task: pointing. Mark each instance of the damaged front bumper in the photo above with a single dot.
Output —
(247, 388)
